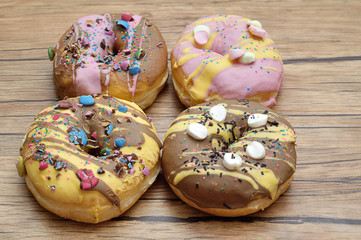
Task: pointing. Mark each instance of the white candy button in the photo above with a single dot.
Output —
(259, 32)
(218, 113)
(201, 34)
(256, 150)
(257, 120)
(247, 58)
(232, 161)
(254, 23)
(235, 53)
(197, 131)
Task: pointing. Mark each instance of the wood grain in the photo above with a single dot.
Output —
(321, 96)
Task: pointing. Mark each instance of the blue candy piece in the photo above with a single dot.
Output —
(86, 100)
(78, 135)
(120, 142)
(134, 70)
(122, 109)
(123, 24)
(109, 129)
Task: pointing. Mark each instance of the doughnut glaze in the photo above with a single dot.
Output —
(121, 55)
(239, 60)
(90, 158)
(226, 173)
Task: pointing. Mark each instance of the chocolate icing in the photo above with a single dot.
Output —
(210, 185)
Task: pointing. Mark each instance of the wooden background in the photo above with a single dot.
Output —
(320, 42)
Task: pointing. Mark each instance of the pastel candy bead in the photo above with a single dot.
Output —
(197, 131)
(145, 171)
(259, 32)
(134, 70)
(85, 41)
(86, 100)
(124, 65)
(200, 28)
(247, 58)
(122, 109)
(43, 165)
(119, 142)
(232, 161)
(126, 17)
(201, 34)
(218, 113)
(257, 120)
(123, 24)
(256, 150)
(254, 23)
(51, 54)
(236, 53)
(201, 37)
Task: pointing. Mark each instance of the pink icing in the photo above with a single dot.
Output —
(240, 80)
(88, 75)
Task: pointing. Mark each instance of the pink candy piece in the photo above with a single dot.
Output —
(43, 165)
(126, 17)
(124, 65)
(259, 32)
(85, 41)
(109, 32)
(87, 179)
(145, 171)
(236, 53)
(132, 171)
(56, 117)
(201, 37)
(109, 112)
(94, 135)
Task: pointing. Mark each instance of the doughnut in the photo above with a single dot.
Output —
(90, 158)
(229, 157)
(122, 55)
(226, 57)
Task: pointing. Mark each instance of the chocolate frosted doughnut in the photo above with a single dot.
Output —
(90, 158)
(229, 157)
(121, 55)
(226, 57)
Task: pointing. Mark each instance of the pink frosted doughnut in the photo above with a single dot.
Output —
(237, 61)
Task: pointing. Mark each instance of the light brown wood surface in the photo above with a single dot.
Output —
(320, 42)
